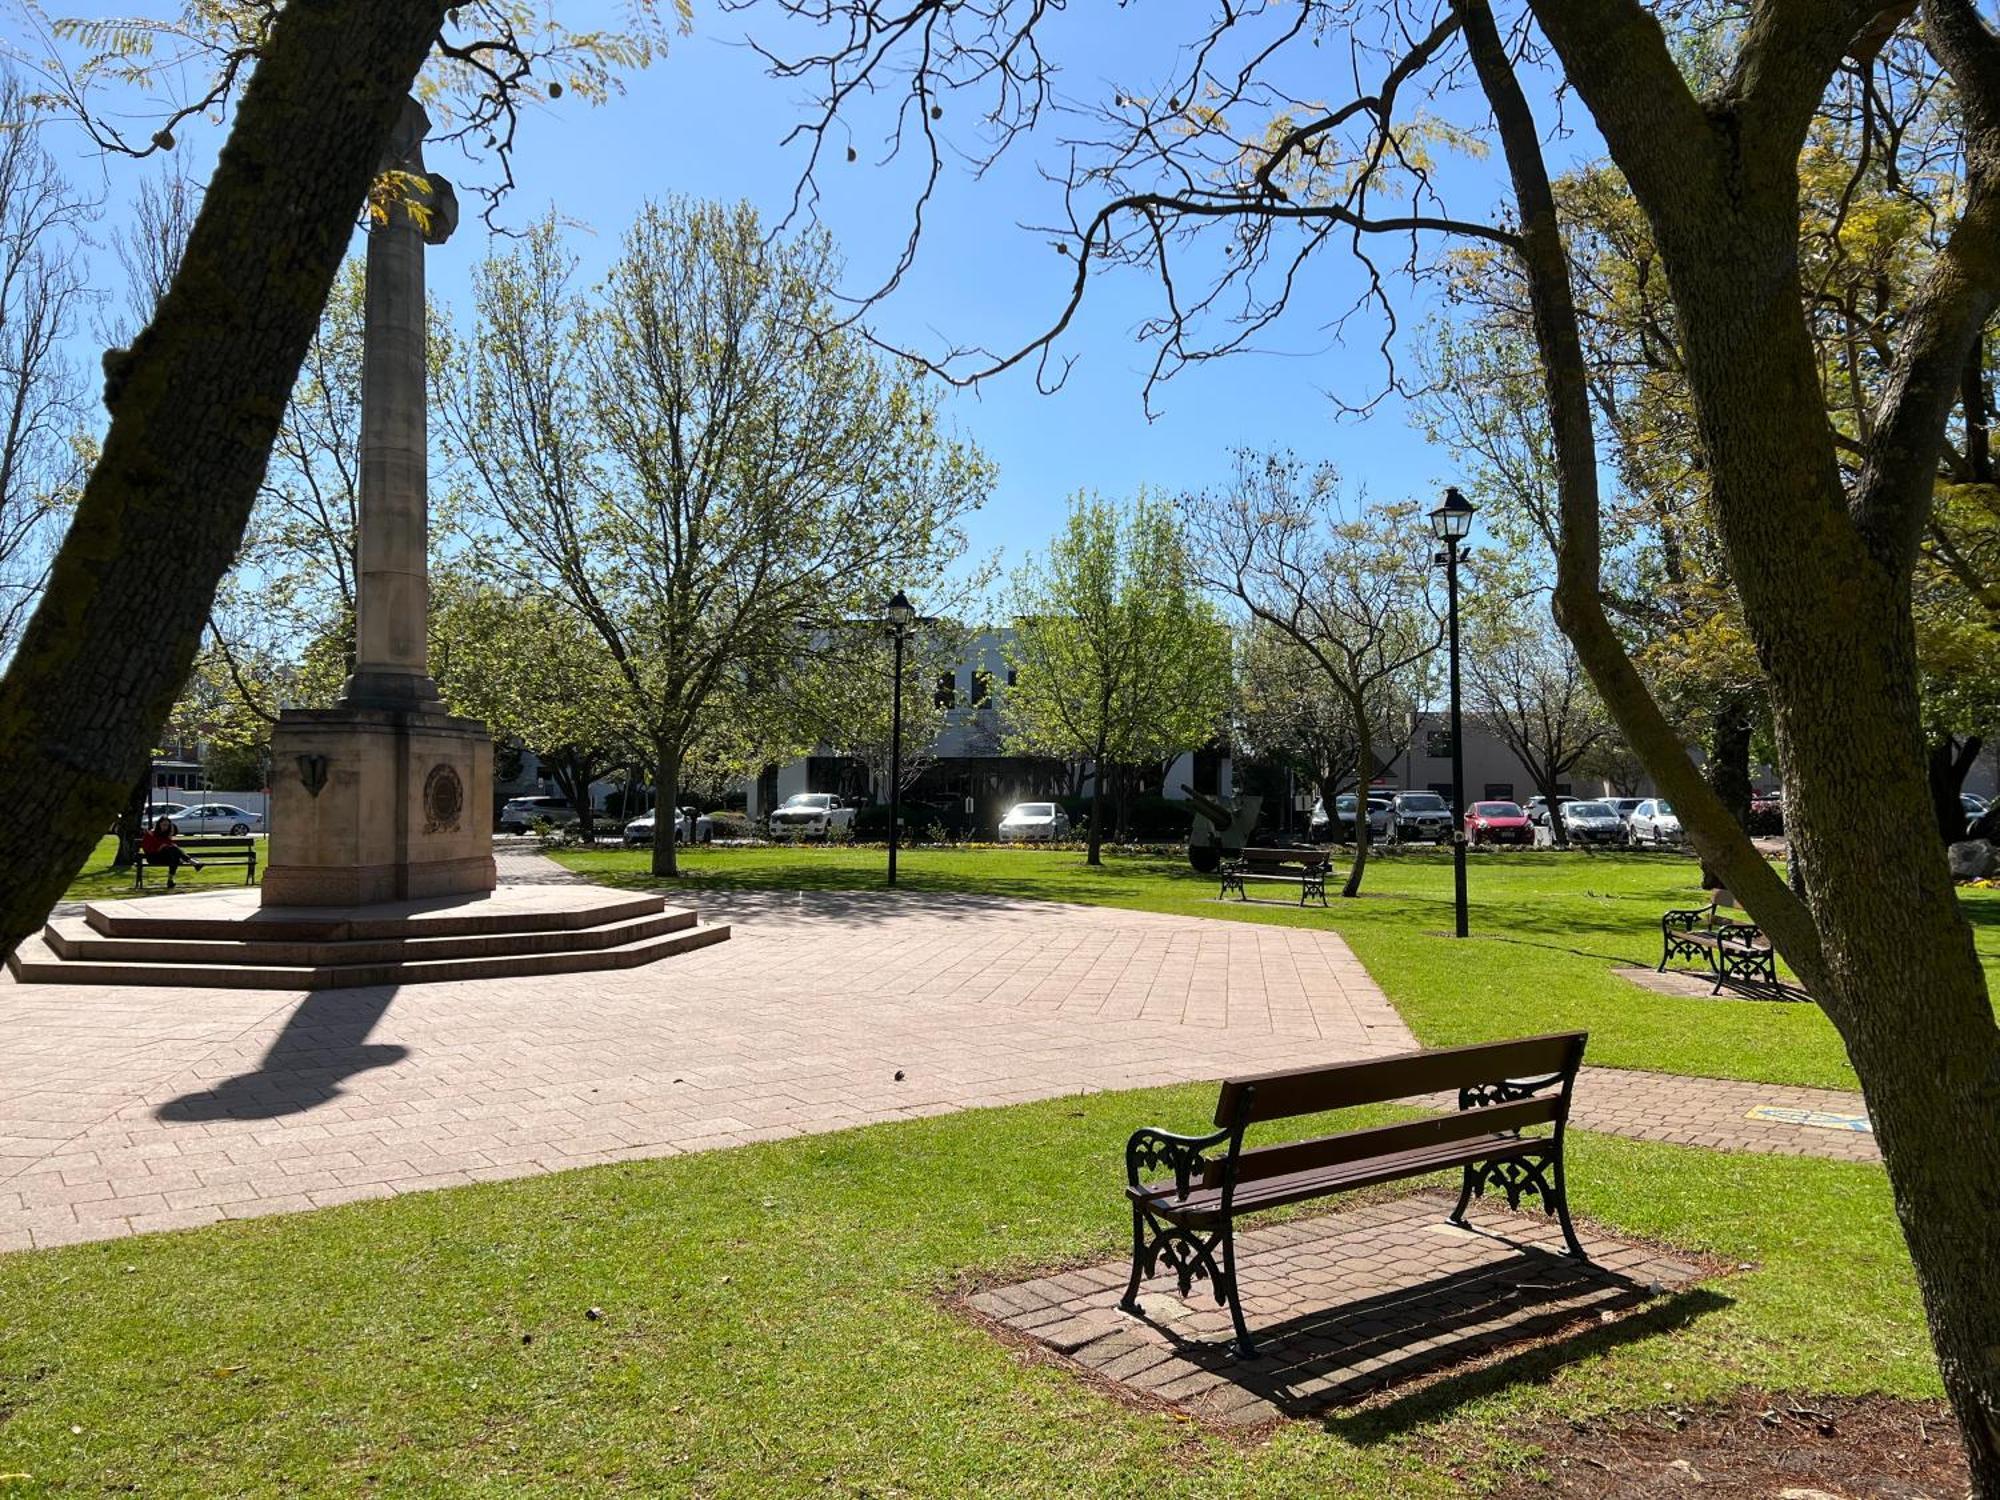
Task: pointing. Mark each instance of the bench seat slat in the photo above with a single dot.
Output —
(1404, 1076)
(1388, 1140)
(1203, 1205)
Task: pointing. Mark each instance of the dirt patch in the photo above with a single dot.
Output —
(1756, 1446)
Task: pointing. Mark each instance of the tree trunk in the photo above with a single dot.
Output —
(132, 820)
(1948, 761)
(667, 758)
(1364, 775)
(1095, 856)
(195, 405)
(574, 773)
(1880, 940)
(1729, 756)
(1546, 785)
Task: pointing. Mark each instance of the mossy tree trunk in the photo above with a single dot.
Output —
(195, 405)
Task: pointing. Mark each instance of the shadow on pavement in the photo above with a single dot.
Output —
(323, 1044)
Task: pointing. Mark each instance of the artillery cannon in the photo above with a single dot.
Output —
(1222, 827)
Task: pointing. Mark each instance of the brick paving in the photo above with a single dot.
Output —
(137, 1109)
(129, 1110)
(1343, 1305)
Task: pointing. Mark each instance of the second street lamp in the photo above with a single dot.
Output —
(901, 615)
(1451, 522)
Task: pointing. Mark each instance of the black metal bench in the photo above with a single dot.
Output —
(1305, 868)
(206, 852)
(1504, 1088)
(1735, 952)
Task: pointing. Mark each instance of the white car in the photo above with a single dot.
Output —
(1653, 822)
(520, 814)
(216, 817)
(1379, 815)
(1034, 820)
(641, 829)
(811, 815)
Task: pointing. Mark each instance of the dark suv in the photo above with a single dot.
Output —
(1420, 816)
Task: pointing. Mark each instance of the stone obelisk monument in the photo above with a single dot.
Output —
(385, 796)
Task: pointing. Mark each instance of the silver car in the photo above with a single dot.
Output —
(218, 817)
(1025, 821)
(523, 813)
(811, 815)
(1654, 822)
(1592, 823)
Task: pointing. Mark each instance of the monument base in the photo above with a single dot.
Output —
(378, 804)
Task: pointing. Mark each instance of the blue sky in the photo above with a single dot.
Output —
(705, 120)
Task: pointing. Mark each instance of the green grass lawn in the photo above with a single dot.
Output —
(773, 1325)
(99, 882)
(1548, 928)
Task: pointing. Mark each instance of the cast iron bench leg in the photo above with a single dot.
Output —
(1562, 1207)
(1130, 1301)
(1245, 1346)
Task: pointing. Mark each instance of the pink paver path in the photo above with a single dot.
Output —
(128, 1110)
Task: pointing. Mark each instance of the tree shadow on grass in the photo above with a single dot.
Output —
(323, 1044)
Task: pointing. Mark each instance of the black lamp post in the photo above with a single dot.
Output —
(901, 616)
(1450, 523)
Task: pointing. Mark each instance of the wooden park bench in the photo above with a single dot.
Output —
(206, 852)
(1504, 1089)
(1305, 868)
(1734, 951)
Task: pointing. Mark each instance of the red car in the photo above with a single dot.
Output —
(1498, 823)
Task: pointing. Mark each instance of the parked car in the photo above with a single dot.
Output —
(520, 814)
(216, 817)
(811, 815)
(1341, 828)
(1976, 807)
(1034, 820)
(1537, 808)
(1420, 815)
(1624, 807)
(1497, 823)
(1654, 822)
(690, 827)
(1592, 823)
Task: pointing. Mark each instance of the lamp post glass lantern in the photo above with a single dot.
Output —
(1451, 523)
(901, 615)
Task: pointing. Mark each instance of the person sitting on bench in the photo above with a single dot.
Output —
(157, 847)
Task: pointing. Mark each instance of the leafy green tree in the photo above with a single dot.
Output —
(1116, 656)
(537, 674)
(1285, 714)
(1351, 587)
(704, 466)
(1525, 683)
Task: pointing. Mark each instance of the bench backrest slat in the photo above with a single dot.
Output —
(1281, 1095)
(1385, 1140)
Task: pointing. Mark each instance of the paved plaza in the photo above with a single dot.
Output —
(126, 1110)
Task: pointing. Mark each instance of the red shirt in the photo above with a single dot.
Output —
(151, 843)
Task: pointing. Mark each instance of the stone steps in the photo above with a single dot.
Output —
(204, 941)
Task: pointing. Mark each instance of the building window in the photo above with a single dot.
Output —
(947, 691)
(1013, 677)
(982, 689)
(1499, 791)
(1437, 744)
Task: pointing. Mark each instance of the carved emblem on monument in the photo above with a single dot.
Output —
(312, 772)
(444, 800)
